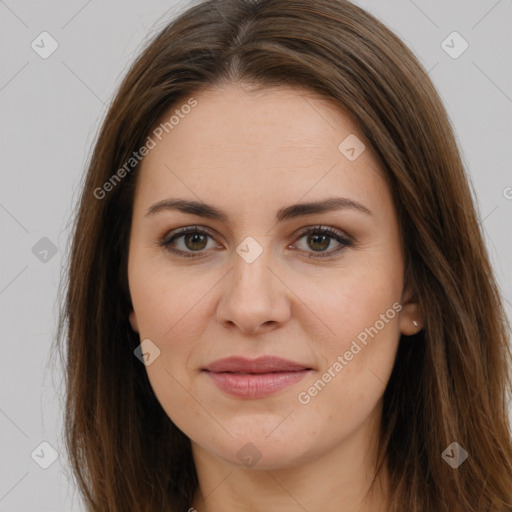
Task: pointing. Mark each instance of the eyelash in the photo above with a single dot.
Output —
(333, 234)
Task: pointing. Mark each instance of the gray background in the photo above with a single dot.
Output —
(50, 113)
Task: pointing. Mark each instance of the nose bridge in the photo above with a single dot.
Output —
(251, 264)
(252, 296)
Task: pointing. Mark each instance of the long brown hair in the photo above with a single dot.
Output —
(449, 382)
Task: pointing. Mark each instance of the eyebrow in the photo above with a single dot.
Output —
(289, 212)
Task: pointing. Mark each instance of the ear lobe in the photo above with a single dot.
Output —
(133, 321)
(411, 318)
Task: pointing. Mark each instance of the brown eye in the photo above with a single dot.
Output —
(194, 240)
(319, 239)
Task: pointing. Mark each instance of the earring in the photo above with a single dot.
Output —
(415, 323)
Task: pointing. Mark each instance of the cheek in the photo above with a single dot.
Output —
(352, 299)
(362, 310)
(356, 367)
(165, 300)
(170, 309)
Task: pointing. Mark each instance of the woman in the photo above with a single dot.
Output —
(278, 296)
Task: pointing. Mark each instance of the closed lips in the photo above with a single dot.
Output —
(266, 364)
(252, 379)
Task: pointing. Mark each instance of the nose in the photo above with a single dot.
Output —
(255, 299)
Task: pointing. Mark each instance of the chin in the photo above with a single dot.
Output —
(257, 443)
(262, 454)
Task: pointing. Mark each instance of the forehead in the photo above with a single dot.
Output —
(268, 145)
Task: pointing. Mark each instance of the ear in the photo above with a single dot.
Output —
(133, 321)
(411, 318)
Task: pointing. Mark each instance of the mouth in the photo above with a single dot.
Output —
(255, 378)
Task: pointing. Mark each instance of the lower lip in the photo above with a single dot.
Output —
(255, 385)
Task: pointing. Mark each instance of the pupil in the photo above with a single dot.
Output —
(195, 238)
(317, 236)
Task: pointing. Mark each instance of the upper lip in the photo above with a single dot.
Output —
(265, 364)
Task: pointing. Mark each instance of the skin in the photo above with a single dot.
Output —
(250, 153)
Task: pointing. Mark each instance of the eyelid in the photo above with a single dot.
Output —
(344, 240)
(322, 227)
(175, 233)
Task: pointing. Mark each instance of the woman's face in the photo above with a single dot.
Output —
(250, 282)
